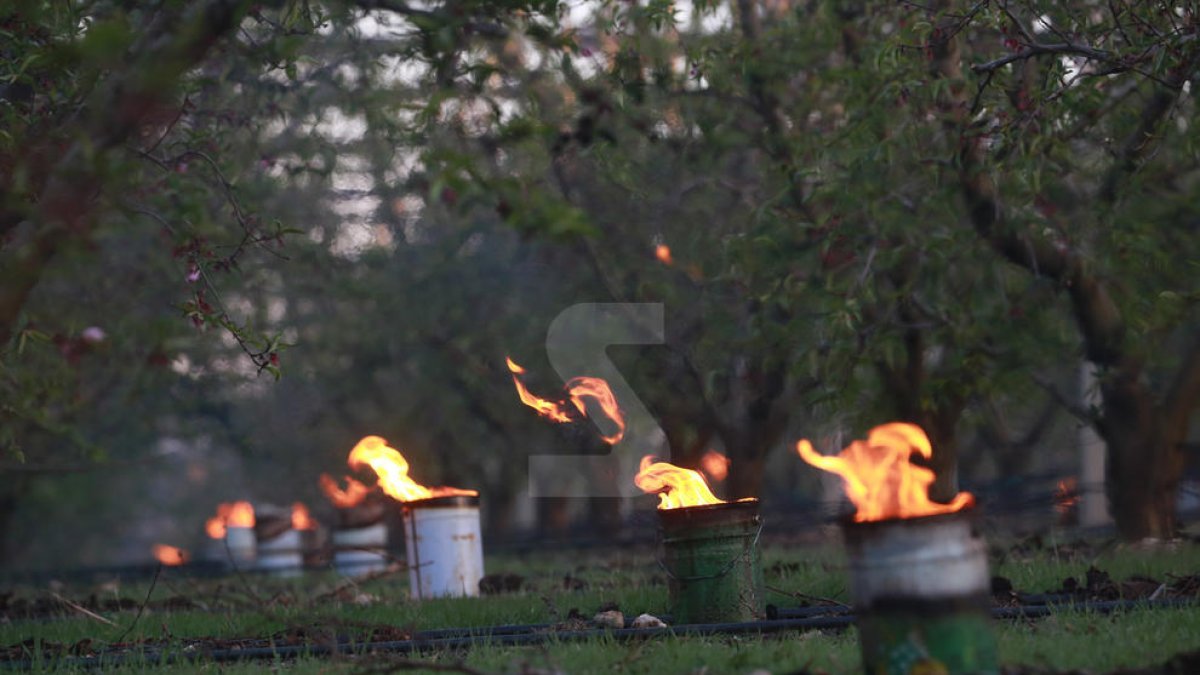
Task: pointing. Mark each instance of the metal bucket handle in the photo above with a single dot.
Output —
(724, 570)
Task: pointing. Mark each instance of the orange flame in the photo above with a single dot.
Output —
(392, 469)
(715, 465)
(548, 409)
(215, 527)
(241, 514)
(170, 556)
(880, 480)
(676, 486)
(352, 496)
(1066, 496)
(663, 253)
(236, 514)
(301, 518)
(579, 388)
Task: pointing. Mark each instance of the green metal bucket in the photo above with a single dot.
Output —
(710, 556)
(921, 591)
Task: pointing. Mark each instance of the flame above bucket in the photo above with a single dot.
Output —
(578, 389)
(392, 469)
(301, 518)
(715, 464)
(676, 486)
(229, 514)
(353, 495)
(170, 555)
(879, 478)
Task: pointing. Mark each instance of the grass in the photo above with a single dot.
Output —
(259, 607)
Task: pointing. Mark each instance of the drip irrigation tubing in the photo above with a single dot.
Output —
(787, 619)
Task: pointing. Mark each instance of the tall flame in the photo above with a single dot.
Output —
(676, 486)
(579, 389)
(352, 496)
(236, 514)
(301, 518)
(169, 555)
(392, 469)
(879, 478)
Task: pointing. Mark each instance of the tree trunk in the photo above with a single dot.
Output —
(553, 515)
(746, 470)
(941, 428)
(1145, 458)
(10, 497)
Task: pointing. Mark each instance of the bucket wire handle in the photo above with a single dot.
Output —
(724, 570)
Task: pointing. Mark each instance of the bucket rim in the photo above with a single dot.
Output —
(747, 504)
(969, 513)
(449, 501)
(740, 503)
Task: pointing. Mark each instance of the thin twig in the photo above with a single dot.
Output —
(170, 126)
(353, 582)
(241, 577)
(1083, 414)
(1038, 48)
(142, 607)
(806, 596)
(82, 610)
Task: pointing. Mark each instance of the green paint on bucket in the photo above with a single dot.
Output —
(907, 642)
(711, 558)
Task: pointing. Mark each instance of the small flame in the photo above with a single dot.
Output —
(663, 253)
(215, 527)
(301, 518)
(170, 556)
(392, 469)
(352, 496)
(579, 389)
(676, 486)
(715, 465)
(879, 478)
(241, 514)
(1066, 496)
(235, 514)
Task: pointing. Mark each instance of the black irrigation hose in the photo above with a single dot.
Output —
(419, 644)
(789, 619)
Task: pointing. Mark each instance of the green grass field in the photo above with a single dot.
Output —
(556, 584)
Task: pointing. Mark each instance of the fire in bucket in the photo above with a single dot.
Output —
(918, 569)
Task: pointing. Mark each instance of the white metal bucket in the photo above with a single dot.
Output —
(931, 558)
(360, 550)
(282, 555)
(242, 545)
(444, 544)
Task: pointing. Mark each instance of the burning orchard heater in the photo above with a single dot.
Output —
(281, 555)
(443, 538)
(232, 530)
(361, 538)
(918, 569)
(710, 547)
(282, 539)
(444, 546)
